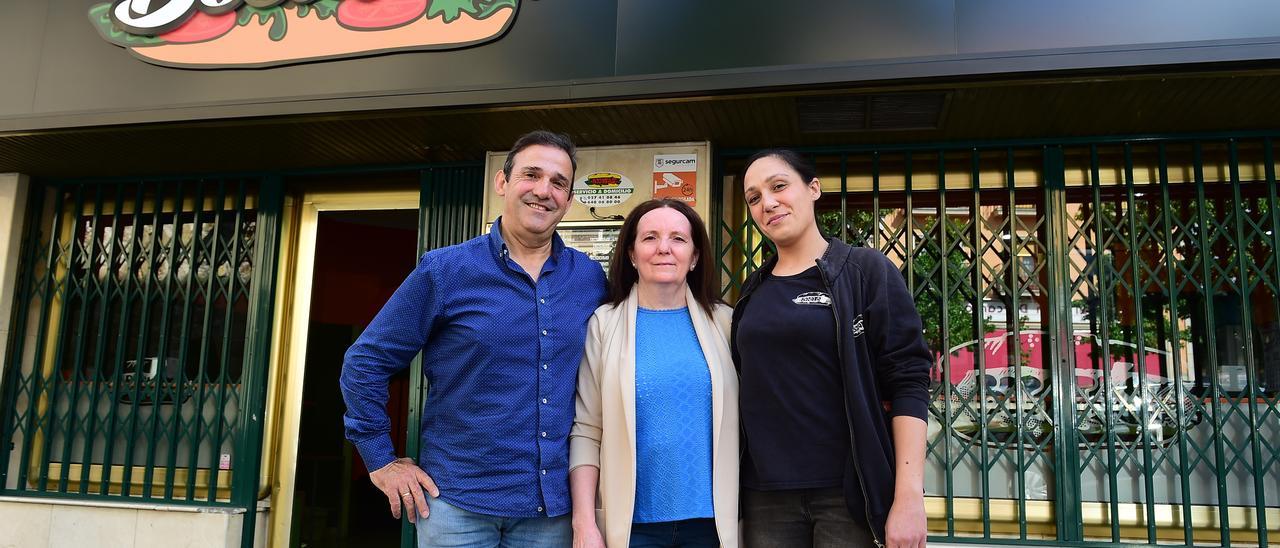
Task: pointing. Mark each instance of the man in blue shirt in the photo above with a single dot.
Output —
(500, 321)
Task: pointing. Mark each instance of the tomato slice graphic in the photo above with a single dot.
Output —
(200, 27)
(379, 14)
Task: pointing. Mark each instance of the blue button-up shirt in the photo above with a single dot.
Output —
(500, 356)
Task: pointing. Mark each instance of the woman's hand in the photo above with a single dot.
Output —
(582, 490)
(587, 535)
(907, 526)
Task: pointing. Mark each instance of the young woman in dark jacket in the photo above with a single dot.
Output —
(835, 375)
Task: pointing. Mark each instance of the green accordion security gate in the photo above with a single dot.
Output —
(137, 369)
(1105, 318)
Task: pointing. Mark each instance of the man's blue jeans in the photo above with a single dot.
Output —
(452, 527)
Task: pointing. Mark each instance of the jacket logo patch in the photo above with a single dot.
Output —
(858, 330)
(813, 298)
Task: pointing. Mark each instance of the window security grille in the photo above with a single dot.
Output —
(137, 367)
(1107, 358)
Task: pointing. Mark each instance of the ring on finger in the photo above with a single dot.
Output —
(405, 494)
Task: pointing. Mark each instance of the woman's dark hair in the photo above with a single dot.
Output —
(794, 159)
(623, 275)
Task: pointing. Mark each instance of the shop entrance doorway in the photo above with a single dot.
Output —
(347, 248)
(360, 259)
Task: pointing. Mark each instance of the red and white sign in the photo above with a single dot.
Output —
(676, 176)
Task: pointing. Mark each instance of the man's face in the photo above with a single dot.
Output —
(536, 196)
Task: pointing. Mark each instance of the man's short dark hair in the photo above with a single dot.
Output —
(544, 138)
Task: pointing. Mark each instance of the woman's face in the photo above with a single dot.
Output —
(663, 252)
(781, 203)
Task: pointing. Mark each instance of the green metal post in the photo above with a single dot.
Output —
(875, 200)
(1144, 431)
(1061, 373)
(944, 335)
(12, 377)
(1273, 210)
(980, 362)
(844, 199)
(1251, 393)
(1220, 459)
(1102, 269)
(85, 301)
(55, 377)
(1016, 341)
(144, 327)
(251, 419)
(232, 255)
(910, 222)
(202, 375)
(716, 223)
(1184, 474)
(122, 342)
(36, 382)
(191, 256)
(168, 298)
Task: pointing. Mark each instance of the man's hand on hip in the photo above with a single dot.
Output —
(403, 484)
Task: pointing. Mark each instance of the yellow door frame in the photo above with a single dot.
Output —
(289, 349)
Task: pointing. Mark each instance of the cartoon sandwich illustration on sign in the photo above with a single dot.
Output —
(264, 33)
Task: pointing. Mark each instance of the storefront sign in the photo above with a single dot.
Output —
(676, 176)
(603, 189)
(596, 242)
(264, 33)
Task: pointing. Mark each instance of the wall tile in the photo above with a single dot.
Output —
(26, 525)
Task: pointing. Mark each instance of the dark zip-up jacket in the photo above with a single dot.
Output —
(885, 364)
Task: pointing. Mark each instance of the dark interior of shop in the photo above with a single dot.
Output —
(361, 258)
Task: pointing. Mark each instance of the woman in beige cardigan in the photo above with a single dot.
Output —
(653, 455)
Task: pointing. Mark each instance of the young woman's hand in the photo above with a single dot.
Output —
(907, 526)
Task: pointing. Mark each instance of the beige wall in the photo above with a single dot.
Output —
(30, 524)
(13, 202)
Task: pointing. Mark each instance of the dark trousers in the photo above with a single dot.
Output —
(800, 518)
(689, 533)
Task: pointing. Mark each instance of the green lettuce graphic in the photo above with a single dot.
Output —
(100, 16)
(323, 8)
(279, 22)
(477, 9)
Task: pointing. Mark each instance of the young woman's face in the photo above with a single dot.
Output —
(664, 251)
(781, 203)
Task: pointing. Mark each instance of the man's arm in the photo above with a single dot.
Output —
(391, 340)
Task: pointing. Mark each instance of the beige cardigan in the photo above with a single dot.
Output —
(604, 430)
